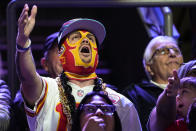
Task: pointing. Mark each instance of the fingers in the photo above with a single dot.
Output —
(173, 84)
(175, 75)
(24, 15)
(94, 123)
(33, 12)
(26, 24)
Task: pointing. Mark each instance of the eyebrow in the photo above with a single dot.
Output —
(74, 33)
(90, 35)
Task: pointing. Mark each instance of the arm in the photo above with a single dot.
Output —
(31, 82)
(164, 113)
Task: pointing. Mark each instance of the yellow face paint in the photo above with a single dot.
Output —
(74, 60)
(75, 51)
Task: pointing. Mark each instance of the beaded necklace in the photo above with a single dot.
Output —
(64, 100)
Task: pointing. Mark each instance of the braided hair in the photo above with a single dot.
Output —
(68, 90)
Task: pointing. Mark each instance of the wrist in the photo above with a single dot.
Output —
(24, 48)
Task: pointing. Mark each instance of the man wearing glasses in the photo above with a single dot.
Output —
(161, 56)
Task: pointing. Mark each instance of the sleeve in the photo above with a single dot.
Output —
(36, 116)
(130, 120)
(39, 103)
(5, 102)
(126, 111)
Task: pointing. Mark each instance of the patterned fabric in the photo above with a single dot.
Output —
(50, 117)
(5, 102)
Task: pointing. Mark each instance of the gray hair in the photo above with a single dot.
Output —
(149, 50)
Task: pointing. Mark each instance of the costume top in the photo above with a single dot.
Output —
(47, 114)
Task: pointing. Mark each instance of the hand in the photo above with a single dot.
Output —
(26, 24)
(94, 123)
(173, 85)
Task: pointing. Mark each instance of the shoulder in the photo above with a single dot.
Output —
(49, 82)
(118, 98)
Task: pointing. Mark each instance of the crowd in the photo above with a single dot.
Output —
(74, 98)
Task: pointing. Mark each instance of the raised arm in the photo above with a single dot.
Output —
(164, 113)
(30, 80)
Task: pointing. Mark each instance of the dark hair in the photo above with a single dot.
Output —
(67, 88)
(191, 117)
(76, 122)
(50, 42)
(185, 68)
(188, 82)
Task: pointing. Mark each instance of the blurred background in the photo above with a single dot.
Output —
(127, 28)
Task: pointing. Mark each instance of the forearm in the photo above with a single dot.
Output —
(25, 67)
(30, 79)
(163, 114)
(165, 110)
(166, 106)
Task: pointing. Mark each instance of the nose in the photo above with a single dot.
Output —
(99, 112)
(85, 40)
(172, 52)
(178, 98)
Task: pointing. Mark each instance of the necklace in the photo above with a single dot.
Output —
(64, 102)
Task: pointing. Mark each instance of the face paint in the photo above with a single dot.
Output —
(79, 55)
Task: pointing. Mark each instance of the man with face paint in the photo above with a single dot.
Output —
(50, 103)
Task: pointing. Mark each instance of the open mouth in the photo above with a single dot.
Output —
(85, 50)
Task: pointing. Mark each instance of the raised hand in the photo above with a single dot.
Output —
(173, 85)
(26, 24)
(94, 123)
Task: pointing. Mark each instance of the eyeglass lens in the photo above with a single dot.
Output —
(92, 108)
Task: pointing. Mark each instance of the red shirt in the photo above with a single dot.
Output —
(178, 125)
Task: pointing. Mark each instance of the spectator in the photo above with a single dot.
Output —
(161, 56)
(50, 62)
(96, 112)
(175, 100)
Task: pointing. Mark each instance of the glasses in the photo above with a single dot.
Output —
(92, 108)
(165, 51)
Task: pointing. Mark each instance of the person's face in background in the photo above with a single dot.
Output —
(184, 99)
(166, 57)
(97, 120)
(51, 62)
